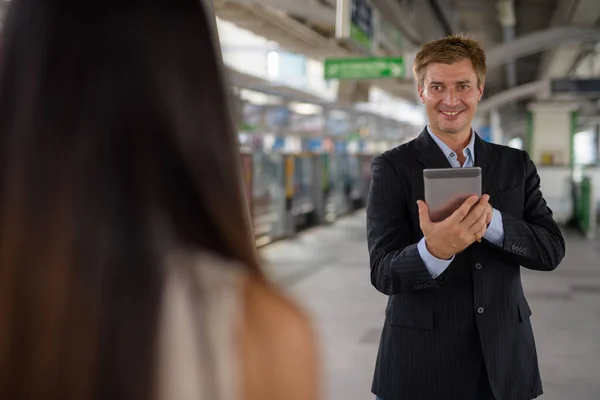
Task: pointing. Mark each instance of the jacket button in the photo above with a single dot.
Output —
(480, 310)
(478, 266)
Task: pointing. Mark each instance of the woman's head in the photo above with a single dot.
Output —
(116, 147)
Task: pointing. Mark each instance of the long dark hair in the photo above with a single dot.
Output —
(116, 146)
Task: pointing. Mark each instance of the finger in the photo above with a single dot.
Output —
(466, 238)
(476, 216)
(475, 234)
(479, 225)
(490, 215)
(458, 215)
(423, 214)
(476, 212)
(481, 232)
(471, 215)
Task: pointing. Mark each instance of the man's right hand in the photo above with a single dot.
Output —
(457, 232)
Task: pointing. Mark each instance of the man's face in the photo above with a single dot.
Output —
(450, 94)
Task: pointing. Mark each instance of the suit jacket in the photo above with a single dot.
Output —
(439, 332)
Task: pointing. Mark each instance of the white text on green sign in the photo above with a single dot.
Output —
(364, 68)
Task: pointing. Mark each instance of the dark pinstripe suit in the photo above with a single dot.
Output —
(438, 332)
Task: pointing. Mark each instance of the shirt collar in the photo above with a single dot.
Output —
(468, 152)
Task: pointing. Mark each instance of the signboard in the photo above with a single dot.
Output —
(362, 23)
(575, 86)
(355, 21)
(364, 68)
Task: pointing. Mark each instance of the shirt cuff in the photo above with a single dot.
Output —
(495, 231)
(434, 265)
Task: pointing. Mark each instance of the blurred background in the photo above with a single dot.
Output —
(320, 87)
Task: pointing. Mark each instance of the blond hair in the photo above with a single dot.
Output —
(449, 50)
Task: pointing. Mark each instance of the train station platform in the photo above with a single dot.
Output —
(327, 270)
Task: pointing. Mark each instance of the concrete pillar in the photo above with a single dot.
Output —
(496, 127)
(551, 127)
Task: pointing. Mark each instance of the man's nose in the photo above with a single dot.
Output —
(451, 98)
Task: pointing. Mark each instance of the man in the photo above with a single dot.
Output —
(457, 322)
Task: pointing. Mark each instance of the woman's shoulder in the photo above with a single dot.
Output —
(213, 274)
(264, 309)
(279, 345)
(275, 344)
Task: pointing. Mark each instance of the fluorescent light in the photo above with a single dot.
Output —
(305, 108)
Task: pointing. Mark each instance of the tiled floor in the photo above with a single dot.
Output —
(327, 270)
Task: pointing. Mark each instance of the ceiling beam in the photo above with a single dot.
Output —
(539, 41)
(297, 37)
(321, 13)
(247, 81)
(439, 15)
(309, 10)
(558, 61)
(512, 95)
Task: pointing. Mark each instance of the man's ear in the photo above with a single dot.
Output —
(481, 91)
(420, 90)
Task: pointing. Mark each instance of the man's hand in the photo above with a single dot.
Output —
(490, 214)
(457, 232)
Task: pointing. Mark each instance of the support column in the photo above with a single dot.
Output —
(496, 126)
(551, 127)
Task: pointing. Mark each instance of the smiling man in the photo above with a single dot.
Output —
(457, 323)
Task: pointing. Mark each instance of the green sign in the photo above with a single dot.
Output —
(364, 68)
(362, 24)
(356, 23)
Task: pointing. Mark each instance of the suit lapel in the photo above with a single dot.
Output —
(485, 158)
(429, 153)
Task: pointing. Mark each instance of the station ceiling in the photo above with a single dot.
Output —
(308, 27)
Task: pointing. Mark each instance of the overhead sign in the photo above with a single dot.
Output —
(355, 21)
(575, 86)
(364, 68)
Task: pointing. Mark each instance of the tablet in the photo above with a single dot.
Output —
(446, 189)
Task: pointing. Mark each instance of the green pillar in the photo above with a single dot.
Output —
(574, 121)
